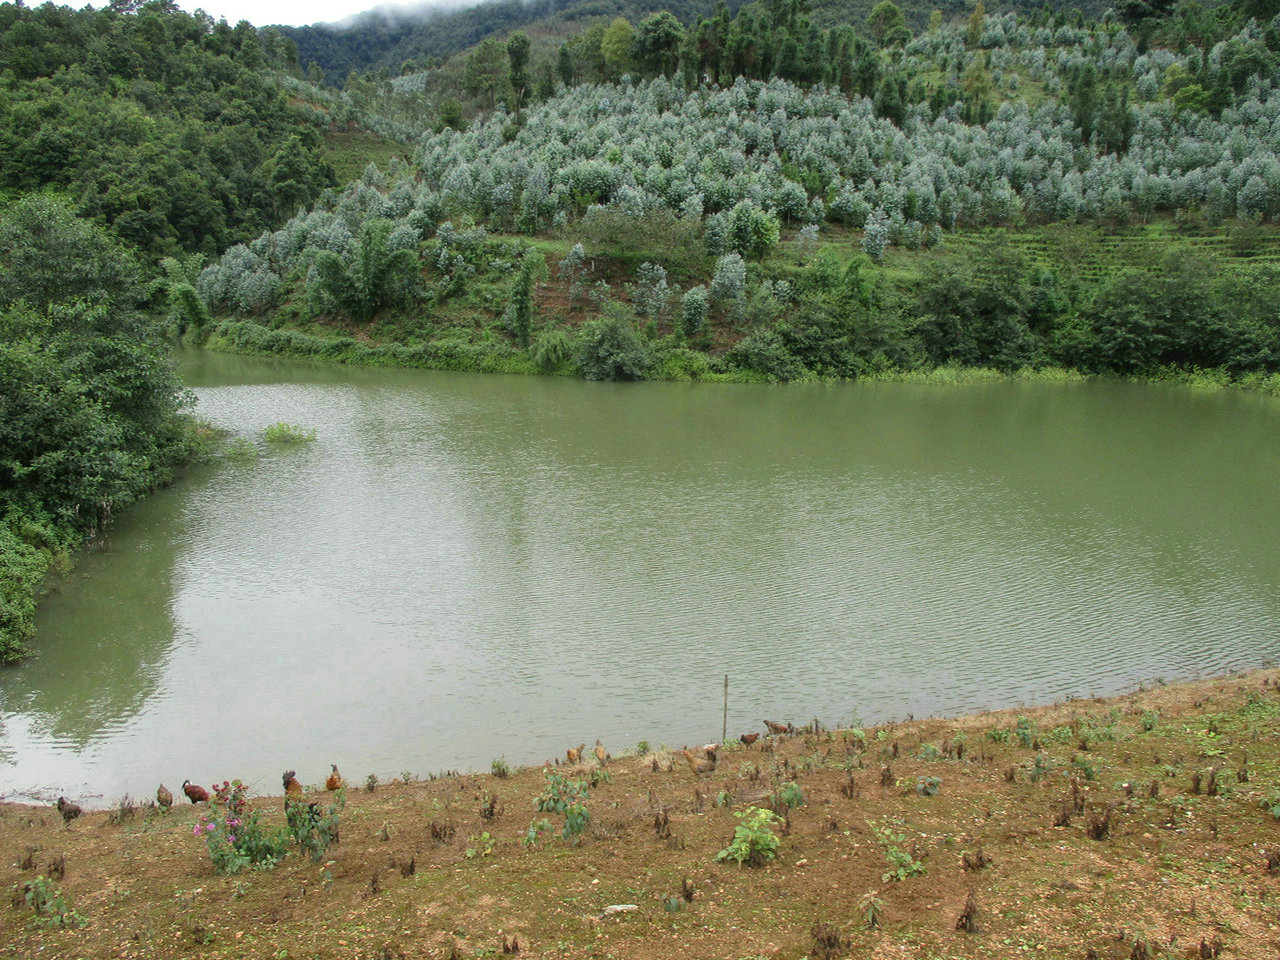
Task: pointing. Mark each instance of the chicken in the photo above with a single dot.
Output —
(601, 753)
(164, 798)
(575, 756)
(194, 793)
(699, 767)
(292, 788)
(334, 781)
(778, 728)
(68, 809)
(749, 738)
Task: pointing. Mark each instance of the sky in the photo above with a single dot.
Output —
(297, 13)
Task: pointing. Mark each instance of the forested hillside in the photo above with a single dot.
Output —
(754, 196)
(168, 128)
(390, 39)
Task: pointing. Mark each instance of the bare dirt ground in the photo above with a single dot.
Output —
(1135, 827)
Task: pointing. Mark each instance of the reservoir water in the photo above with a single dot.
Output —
(464, 567)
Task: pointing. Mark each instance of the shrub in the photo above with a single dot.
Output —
(609, 348)
(288, 433)
(763, 350)
(233, 836)
(500, 769)
(551, 348)
(693, 311)
(314, 829)
(568, 798)
(754, 842)
(48, 904)
(730, 278)
(791, 796)
(902, 864)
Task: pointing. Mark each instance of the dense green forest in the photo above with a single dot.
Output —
(780, 191)
(392, 39)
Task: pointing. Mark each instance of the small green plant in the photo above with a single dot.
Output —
(568, 798)
(1271, 803)
(902, 865)
(537, 829)
(1040, 768)
(500, 768)
(754, 842)
(1086, 767)
(233, 837)
(481, 846)
(643, 748)
(314, 829)
(929, 752)
(928, 786)
(288, 434)
(871, 908)
(999, 735)
(1025, 731)
(599, 775)
(371, 782)
(1150, 720)
(49, 905)
(1060, 735)
(790, 796)
(723, 799)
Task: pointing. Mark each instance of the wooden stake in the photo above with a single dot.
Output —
(724, 729)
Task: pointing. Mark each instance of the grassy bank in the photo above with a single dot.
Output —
(677, 363)
(1144, 825)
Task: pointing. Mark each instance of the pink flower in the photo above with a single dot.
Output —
(196, 831)
(231, 838)
(209, 827)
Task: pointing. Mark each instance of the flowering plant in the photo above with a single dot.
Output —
(232, 835)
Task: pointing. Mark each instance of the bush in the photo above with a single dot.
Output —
(609, 348)
(232, 835)
(568, 798)
(764, 350)
(288, 433)
(754, 842)
(693, 311)
(48, 904)
(551, 348)
(313, 829)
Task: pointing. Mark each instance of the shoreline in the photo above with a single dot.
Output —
(1055, 822)
(102, 802)
(247, 338)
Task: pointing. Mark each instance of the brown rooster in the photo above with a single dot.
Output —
(292, 788)
(749, 738)
(700, 767)
(164, 798)
(601, 753)
(68, 809)
(778, 728)
(194, 793)
(575, 756)
(334, 781)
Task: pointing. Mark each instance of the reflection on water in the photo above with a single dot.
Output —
(465, 567)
